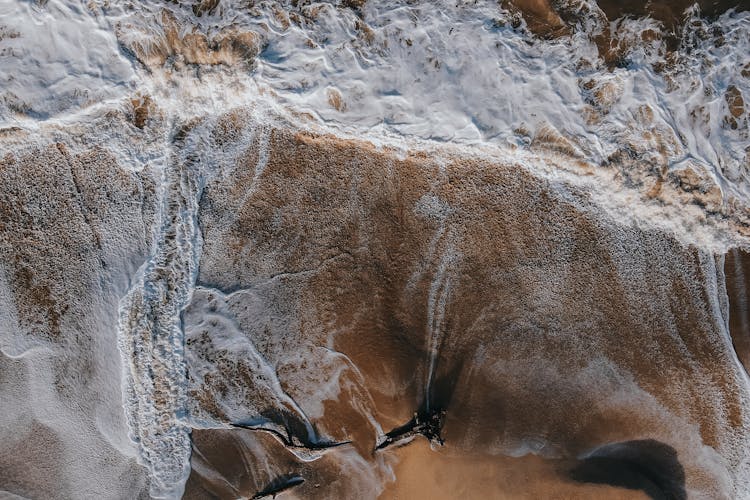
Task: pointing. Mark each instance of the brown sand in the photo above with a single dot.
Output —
(550, 323)
(439, 474)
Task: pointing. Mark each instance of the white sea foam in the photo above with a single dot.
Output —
(152, 337)
(56, 57)
(430, 72)
(448, 71)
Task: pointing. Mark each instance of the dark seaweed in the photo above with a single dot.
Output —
(427, 424)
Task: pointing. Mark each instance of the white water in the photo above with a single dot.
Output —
(447, 71)
(151, 336)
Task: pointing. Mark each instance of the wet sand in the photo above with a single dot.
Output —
(439, 474)
(538, 326)
(351, 297)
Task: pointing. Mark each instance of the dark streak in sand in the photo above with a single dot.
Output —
(280, 484)
(289, 439)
